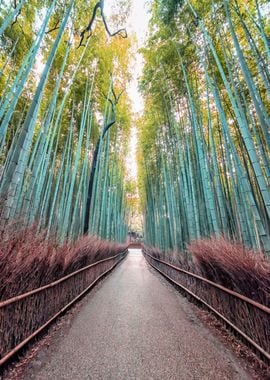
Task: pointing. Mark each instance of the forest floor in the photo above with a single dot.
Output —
(133, 325)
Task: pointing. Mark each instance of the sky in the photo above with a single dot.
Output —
(138, 19)
(138, 24)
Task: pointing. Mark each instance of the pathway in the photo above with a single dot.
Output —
(135, 325)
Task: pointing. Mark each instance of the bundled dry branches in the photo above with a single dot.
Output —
(233, 266)
(28, 260)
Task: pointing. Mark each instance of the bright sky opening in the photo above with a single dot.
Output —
(138, 24)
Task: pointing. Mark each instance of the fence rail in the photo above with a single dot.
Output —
(25, 316)
(250, 319)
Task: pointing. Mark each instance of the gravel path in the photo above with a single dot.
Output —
(135, 326)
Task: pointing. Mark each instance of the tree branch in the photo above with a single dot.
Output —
(89, 26)
(96, 152)
(100, 4)
(121, 32)
(16, 18)
(54, 28)
(108, 126)
(113, 106)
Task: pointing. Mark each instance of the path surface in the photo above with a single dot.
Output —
(135, 326)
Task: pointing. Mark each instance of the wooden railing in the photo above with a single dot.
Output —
(25, 316)
(249, 319)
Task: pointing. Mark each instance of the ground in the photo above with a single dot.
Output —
(135, 326)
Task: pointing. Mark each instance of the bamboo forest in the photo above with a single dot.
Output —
(135, 122)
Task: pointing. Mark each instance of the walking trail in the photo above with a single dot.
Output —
(135, 325)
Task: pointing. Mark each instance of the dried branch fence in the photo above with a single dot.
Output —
(24, 316)
(249, 319)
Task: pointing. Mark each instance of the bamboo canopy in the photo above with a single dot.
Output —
(204, 135)
(51, 114)
(206, 84)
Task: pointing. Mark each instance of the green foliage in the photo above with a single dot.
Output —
(46, 159)
(167, 9)
(204, 145)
